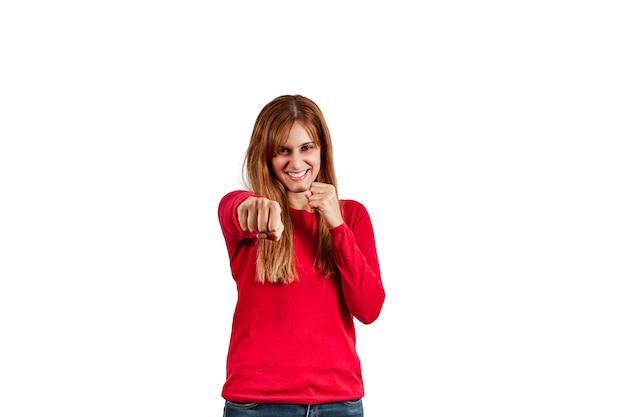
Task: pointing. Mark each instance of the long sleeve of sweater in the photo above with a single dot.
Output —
(354, 252)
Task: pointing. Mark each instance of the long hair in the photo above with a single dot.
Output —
(275, 259)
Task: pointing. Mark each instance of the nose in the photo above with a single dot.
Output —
(296, 160)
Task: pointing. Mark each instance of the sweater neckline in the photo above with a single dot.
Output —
(300, 210)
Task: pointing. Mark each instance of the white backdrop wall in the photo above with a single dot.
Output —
(485, 138)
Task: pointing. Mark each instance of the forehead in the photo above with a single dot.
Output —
(298, 134)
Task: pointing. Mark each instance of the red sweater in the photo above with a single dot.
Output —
(295, 343)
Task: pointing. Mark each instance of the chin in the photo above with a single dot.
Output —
(299, 188)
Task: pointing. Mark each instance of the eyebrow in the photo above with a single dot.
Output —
(302, 144)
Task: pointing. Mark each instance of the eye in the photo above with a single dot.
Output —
(283, 150)
(308, 147)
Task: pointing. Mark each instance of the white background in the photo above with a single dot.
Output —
(485, 138)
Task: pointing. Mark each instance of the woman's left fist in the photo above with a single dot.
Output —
(323, 198)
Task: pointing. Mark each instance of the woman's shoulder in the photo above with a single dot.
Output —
(355, 207)
(354, 213)
(349, 203)
(232, 199)
(234, 194)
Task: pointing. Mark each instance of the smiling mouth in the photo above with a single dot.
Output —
(297, 175)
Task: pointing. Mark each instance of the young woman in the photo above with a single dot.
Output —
(305, 266)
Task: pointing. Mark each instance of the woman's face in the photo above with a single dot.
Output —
(298, 160)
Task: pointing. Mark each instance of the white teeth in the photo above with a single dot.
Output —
(297, 174)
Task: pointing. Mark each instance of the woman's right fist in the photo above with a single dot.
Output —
(261, 215)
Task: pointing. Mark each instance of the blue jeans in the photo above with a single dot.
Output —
(352, 408)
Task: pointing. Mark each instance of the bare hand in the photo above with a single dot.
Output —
(323, 198)
(261, 215)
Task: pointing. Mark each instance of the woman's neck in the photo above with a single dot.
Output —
(298, 201)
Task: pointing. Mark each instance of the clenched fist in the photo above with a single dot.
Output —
(261, 215)
(323, 198)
